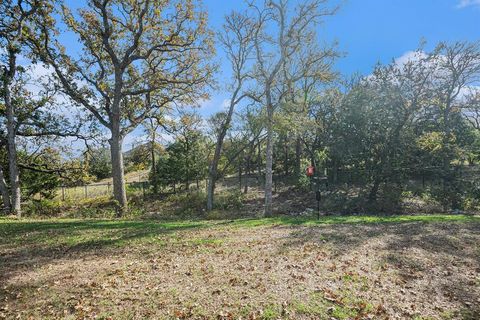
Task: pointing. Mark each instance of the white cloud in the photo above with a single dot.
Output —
(467, 92)
(226, 103)
(467, 3)
(37, 74)
(410, 56)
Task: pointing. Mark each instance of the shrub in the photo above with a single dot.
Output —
(229, 200)
(184, 204)
(43, 207)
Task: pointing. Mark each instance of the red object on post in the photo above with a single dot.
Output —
(310, 171)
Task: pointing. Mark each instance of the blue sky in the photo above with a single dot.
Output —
(371, 31)
(368, 31)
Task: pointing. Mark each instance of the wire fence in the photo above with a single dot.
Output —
(144, 188)
(90, 191)
(422, 178)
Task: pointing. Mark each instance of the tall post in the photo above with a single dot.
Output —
(63, 193)
(240, 175)
(318, 205)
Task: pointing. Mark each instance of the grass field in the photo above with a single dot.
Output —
(359, 267)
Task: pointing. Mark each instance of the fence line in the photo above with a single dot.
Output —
(422, 177)
(88, 191)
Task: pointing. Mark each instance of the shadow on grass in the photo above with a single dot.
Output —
(25, 243)
(328, 220)
(32, 243)
(427, 232)
(448, 246)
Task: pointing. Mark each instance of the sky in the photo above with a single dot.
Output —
(372, 31)
(367, 32)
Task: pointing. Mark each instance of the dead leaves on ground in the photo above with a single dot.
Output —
(241, 273)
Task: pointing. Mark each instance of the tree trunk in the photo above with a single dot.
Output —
(213, 169)
(245, 187)
(15, 198)
(247, 169)
(153, 156)
(446, 174)
(259, 163)
(118, 174)
(269, 159)
(154, 165)
(298, 154)
(286, 167)
(372, 196)
(335, 172)
(240, 173)
(4, 191)
(210, 189)
(187, 164)
(213, 172)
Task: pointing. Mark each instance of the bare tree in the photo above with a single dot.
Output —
(237, 42)
(292, 29)
(131, 49)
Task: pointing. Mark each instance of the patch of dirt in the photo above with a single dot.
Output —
(343, 271)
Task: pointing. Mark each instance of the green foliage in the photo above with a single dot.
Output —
(39, 179)
(43, 184)
(185, 204)
(304, 182)
(191, 205)
(385, 131)
(43, 207)
(185, 160)
(139, 158)
(229, 200)
(99, 163)
(166, 172)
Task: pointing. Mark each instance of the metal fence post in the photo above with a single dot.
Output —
(63, 193)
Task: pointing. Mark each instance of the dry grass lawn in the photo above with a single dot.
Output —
(405, 267)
